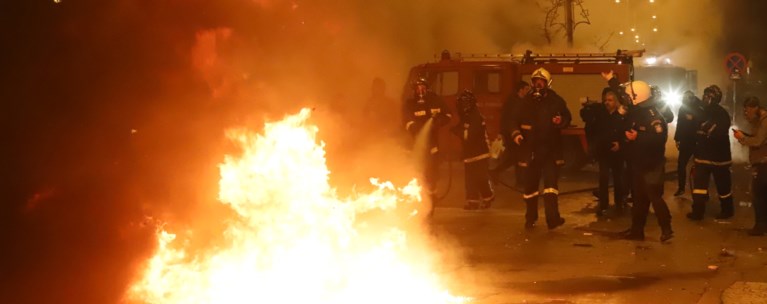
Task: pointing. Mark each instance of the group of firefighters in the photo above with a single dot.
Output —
(627, 133)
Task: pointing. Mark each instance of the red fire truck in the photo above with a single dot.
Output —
(576, 77)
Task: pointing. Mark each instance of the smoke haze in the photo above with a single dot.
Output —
(116, 110)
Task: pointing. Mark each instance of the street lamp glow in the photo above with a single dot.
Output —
(652, 1)
(632, 29)
(655, 29)
(654, 17)
(636, 36)
(617, 1)
(620, 33)
(668, 60)
(637, 40)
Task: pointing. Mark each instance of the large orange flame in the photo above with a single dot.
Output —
(293, 240)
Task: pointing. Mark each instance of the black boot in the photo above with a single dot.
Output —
(698, 209)
(695, 216)
(531, 215)
(728, 209)
(553, 219)
(555, 223)
(632, 235)
(666, 234)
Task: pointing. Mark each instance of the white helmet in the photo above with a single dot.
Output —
(639, 91)
(543, 74)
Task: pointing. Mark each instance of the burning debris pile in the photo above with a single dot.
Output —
(292, 240)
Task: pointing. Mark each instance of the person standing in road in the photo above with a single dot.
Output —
(645, 147)
(537, 132)
(712, 157)
(757, 156)
(473, 134)
(689, 115)
(609, 146)
(426, 112)
(510, 154)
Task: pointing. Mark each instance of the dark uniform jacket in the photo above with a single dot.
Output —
(417, 111)
(688, 121)
(610, 129)
(542, 138)
(591, 113)
(473, 136)
(713, 140)
(649, 148)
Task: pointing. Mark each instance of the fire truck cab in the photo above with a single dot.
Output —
(575, 76)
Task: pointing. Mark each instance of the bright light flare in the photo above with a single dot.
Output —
(672, 98)
(651, 60)
(292, 240)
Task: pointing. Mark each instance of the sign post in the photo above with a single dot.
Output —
(735, 63)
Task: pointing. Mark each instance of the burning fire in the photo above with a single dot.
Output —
(293, 240)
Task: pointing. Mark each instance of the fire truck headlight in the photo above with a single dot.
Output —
(672, 98)
(651, 60)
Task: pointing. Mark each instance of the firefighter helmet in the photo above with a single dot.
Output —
(638, 91)
(467, 101)
(543, 74)
(712, 95)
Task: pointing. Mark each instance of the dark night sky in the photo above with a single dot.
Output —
(78, 76)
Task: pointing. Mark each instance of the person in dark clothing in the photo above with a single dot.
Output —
(645, 148)
(475, 152)
(757, 156)
(509, 109)
(689, 115)
(424, 114)
(609, 146)
(591, 111)
(537, 131)
(712, 157)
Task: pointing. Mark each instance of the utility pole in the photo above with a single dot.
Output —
(569, 21)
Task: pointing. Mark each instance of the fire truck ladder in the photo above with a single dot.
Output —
(619, 57)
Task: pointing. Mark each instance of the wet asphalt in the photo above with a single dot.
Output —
(585, 261)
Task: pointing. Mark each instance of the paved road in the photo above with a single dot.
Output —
(583, 261)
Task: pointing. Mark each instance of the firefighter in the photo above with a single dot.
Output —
(687, 123)
(424, 114)
(609, 146)
(712, 157)
(537, 130)
(475, 152)
(645, 148)
(757, 156)
(509, 109)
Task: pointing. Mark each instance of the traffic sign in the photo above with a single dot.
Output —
(735, 63)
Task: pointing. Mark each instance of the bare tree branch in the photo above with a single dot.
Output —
(603, 44)
(584, 14)
(552, 26)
